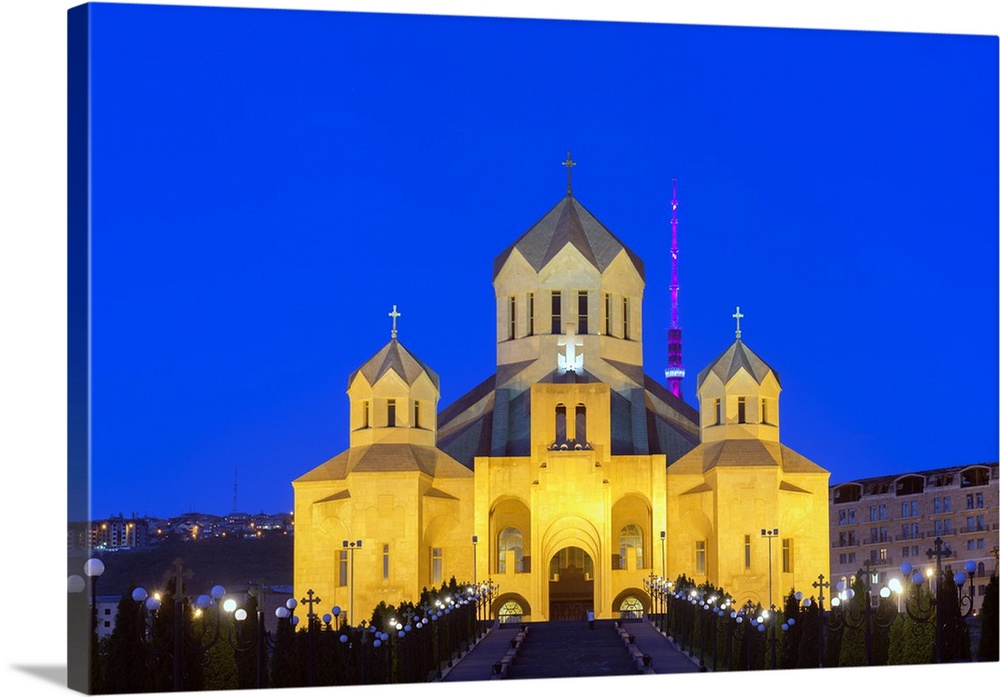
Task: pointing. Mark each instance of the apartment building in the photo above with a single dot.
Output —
(892, 519)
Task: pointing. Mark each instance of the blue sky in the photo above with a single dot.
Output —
(267, 184)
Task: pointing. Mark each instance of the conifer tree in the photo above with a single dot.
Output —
(988, 618)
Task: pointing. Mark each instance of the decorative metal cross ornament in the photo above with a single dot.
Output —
(738, 316)
(569, 164)
(394, 315)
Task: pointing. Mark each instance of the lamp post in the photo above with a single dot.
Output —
(770, 535)
(180, 605)
(261, 640)
(93, 568)
(475, 542)
(351, 547)
(663, 553)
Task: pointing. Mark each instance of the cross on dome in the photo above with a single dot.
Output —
(394, 315)
(569, 164)
(738, 317)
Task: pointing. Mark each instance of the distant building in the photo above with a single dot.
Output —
(118, 532)
(893, 519)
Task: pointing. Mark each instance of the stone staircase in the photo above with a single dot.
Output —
(570, 649)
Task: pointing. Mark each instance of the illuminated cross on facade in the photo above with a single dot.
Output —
(569, 164)
(738, 316)
(570, 361)
(394, 315)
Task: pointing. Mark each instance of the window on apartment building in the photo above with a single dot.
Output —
(700, 552)
(947, 504)
(852, 558)
(883, 555)
(937, 505)
(511, 317)
(582, 326)
(437, 565)
(786, 555)
(843, 558)
(947, 526)
(851, 516)
(906, 551)
(556, 312)
(746, 552)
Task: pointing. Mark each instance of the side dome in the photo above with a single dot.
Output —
(737, 356)
(395, 357)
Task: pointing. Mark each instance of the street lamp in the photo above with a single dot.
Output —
(152, 604)
(663, 553)
(351, 547)
(770, 535)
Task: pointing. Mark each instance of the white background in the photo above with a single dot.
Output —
(33, 269)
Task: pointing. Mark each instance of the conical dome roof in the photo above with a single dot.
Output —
(568, 223)
(394, 356)
(732, 359)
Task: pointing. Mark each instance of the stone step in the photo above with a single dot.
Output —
(570, 649)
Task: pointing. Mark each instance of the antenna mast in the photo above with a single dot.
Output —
(675, 369)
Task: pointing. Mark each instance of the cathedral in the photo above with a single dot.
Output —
(569, 476)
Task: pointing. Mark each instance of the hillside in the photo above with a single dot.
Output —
(232, 563)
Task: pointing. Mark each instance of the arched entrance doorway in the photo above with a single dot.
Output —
(571, 584)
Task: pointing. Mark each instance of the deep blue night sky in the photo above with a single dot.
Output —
(267, 184)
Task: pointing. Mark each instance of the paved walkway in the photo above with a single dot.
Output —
(578, 658)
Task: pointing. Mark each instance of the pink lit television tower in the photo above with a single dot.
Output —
(675, 369)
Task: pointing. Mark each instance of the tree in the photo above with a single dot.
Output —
(988, 617)
(809, 627)
(852, 639)
(954, 631)
(125, 668)
(791, 637)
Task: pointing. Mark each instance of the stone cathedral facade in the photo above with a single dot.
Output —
(578, 474)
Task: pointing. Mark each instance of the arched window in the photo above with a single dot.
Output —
(630, 536)
(631, 608)
(560, 423)
(581, 423)
(510, 540)
(510, 611)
